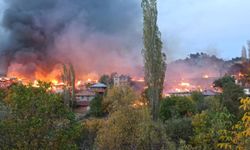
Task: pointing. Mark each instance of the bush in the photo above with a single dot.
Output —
(175, 107)
(96, 108)
(179, 129)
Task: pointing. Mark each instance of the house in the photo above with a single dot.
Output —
(99, 88)
(84, 98)
(205, 93)
(247, 91)
(7, 82)
(208, 93)
(184, 94)
(121, 80)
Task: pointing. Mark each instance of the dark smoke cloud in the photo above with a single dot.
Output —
(95, 35)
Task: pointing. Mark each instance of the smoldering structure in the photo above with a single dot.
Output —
(90, 34)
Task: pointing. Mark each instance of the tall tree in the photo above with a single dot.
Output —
(154, 58)
(248, 47)
(68, 78)
(244, 54)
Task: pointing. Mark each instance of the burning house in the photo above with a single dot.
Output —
(84, 98)
(121, 80)
(6, 82)
(98, 88)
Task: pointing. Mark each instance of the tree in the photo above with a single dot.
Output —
(176, 107)
(118, 97)
(231, 96)
(199, 100)
(38, 120)
(206, 126)
(248, 46)
(130, 128)
(244, 54)
(238, 137)
(154, 58)
(223, 81)
(105, 79)
(68, 78)
(179, 129)
(96, 108)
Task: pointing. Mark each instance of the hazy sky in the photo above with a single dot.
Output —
(220, 27)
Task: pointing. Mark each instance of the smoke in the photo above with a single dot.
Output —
(200, 70)
(96, 36)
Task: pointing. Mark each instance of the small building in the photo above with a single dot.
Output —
(208, 93)
(182, 94)
(84, 98)
(99, 88)
(121, 80)
(247, 91)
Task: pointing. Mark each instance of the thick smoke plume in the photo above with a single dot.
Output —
(96, 36)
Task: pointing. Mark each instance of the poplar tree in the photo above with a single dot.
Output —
(154, 58)
(68, 78)
(248, 44)
(244, 54)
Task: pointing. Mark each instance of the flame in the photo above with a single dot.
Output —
(205, 76)
(138, 80)
(185, 84)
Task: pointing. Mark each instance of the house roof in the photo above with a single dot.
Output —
(99, 85)
(209, 93)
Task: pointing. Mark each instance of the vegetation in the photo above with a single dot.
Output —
(68, 77)
(238, 136)
(37, 119)
(96, 106)
(154, 59)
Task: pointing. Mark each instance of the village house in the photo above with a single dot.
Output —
(84, 98)
(98, 88)
(121, 80)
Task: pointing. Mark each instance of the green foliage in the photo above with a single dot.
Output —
(68, 78)
(96, 108)
(37, 119)
(179, 129)
(91, 127)
(105, 79)
(199, 100)
(223, 81)
(130, 128)
(231, 97)
(118, 97)
(238, 137)
(206, 126)
(175, 107)
(3, 108)
(154, 59)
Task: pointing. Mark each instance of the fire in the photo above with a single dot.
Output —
(138, 80)
(185, 84)
(241, 75)
(205, 76)
(55, 82)
(35, 84)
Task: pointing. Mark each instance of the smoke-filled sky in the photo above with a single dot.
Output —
(106, 35)
(195, 25)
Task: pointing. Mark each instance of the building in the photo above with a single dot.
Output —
(7, 82)
(121, 80)
(99, 88)
(84, 98)
(208, 93)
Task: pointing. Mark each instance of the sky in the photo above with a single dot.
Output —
(219, 27)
